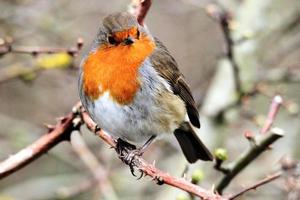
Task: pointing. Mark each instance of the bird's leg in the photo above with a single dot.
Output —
(124, 147)
(147, 144)
(139, 151)
(127, 151)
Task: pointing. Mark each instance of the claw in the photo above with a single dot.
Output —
(127, 153)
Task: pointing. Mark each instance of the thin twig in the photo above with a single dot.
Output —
(78, 188)
(256, 185)
(139, 8)
(223, 17)
(248, 157)
(8, 47)
(274, 108)
(90, 160)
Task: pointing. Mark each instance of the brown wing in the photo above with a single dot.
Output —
(166, 66)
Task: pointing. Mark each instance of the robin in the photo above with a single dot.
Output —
(132, 88)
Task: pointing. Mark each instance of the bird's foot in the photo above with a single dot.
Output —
(127, 152)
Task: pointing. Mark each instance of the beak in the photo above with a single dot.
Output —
(129, 41)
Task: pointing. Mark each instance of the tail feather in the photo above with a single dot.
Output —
(191, 145)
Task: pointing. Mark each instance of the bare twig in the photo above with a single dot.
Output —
(61, 60)
(74, 190)
(139, 8)
(223, 17)
(274, 108)
(248, 157)
(256, 185)
(7, 47)
(61, 132)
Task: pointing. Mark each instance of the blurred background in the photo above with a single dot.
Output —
(266, 37)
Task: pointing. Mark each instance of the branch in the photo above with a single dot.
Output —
(90, 160)
(264, 181)
(159, 176)
(274, 108)
(224, 18)
(249, 156)
(139, 8)
(62, 59)
(7, 47)
(61, 132)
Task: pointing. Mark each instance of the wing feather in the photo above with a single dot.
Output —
(166, 66)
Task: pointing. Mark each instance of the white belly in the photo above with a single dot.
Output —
(154, 111)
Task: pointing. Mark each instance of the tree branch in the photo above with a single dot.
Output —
(248, 157)
(256, 185)
(90, 160)
(139, 8)
(159, 176)
(223, 17)
(7, 47)
(61, 132)
(274, 108)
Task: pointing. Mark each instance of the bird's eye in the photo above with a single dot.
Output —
(112, 40)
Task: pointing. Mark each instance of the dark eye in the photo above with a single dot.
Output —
(138, 34)
(112, 40)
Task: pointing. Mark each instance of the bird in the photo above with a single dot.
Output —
(131, 86)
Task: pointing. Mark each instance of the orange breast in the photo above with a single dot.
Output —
(115, 69)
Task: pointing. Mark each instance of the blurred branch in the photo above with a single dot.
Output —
(256, 149)
(90, 160)
(139, 8)
(274, 108)
(6, 46)
(224, 18)
(248, 157)
(288, 170)
(74, 190)
(59, 133)
(281, 75)
(257, 184)
(61, 59)
(291, 177)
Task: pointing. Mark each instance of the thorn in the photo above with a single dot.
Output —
(72, 51)
(34, 53)
(49, 127)
(159, 180)
(80, 43)
(76, 110)
(62, 119)
(76, 122)
(97, 128)
(249, 135)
